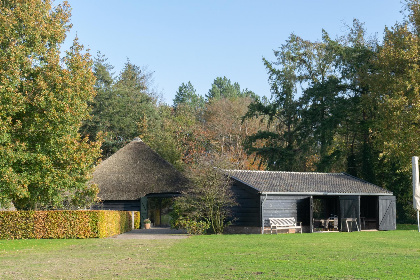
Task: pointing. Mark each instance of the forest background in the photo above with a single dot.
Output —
(349, 104)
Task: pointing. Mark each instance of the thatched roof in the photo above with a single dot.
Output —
(305, 182)
(134, 171)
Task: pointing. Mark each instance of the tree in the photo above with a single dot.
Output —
(124, 108)
(44, 162)
(207, 201)
(223, 88)
(327, 128)
(356, 53)
(98, 122)
(226, 130)
(281, 149)
(187, 96)
(395, 87)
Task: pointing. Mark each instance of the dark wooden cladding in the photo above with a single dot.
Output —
(282, 206)
(372, 211)
(247, 211)
(350, 208)
(118, 205)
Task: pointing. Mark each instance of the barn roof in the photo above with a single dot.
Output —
(134, 171)
(305, 182)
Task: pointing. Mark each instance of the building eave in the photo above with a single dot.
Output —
(324, 193)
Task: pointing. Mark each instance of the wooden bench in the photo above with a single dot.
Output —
(283, 223)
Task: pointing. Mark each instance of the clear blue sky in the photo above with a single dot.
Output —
(200, 40)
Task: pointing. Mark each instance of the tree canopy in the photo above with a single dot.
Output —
(346, 105)
(349, 104)
(44, 162)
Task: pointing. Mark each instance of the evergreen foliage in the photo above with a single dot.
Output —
(346, 105)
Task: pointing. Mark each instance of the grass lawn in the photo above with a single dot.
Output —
(356, 255)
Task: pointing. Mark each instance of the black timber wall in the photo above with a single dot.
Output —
(120, 205)
(247, 211)
(285, 206)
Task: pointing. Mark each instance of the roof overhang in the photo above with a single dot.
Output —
(163, 195)
(324, 193)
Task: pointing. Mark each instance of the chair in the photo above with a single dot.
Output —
(334, 221)
(351, 220)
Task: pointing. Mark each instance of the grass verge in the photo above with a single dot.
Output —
(356, 255)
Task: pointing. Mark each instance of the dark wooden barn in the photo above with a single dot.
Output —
(311, 198)
(136, 178)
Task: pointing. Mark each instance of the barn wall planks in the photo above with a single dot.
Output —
(247, 211)
(282, 206)
(387, 213)
(120, 205)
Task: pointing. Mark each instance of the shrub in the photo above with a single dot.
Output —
(206, 203)
(136, 220)
(64, 224)
(193, 227)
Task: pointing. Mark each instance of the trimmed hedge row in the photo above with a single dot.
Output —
(65, 224)
(136, 219)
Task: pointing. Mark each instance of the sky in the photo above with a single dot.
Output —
(198, 41)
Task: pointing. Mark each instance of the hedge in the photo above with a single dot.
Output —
(65, 224)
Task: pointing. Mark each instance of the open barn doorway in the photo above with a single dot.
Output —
(369, 212)
(159, 211)
(325, 213)
(160, 207)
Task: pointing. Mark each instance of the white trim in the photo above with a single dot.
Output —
(418, 220)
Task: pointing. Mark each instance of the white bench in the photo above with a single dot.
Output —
(284, 223)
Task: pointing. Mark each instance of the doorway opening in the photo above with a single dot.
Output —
(159, 210)
(325, 213)
(369, 212)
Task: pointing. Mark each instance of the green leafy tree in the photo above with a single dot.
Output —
(207, 201)
(279, 147)
(44, 162)
(320, 131)
(356, 53)
(395, 87)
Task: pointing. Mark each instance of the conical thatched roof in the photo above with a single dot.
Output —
(134, 171)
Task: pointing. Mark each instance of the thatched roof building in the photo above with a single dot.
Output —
(135, 171)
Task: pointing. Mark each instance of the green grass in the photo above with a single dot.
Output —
(356, 255)
(407, 227)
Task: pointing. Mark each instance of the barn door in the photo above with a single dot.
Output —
(349, 208)
(387, 213)
(143, 210)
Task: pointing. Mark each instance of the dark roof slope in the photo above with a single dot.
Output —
(305, 182)
(134, 171)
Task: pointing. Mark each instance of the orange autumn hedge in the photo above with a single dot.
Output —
(64, 224)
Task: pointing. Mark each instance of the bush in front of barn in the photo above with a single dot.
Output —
(136, 220)
(63, 224)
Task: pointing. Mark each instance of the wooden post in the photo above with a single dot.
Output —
(416, 188)
(132, 219)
